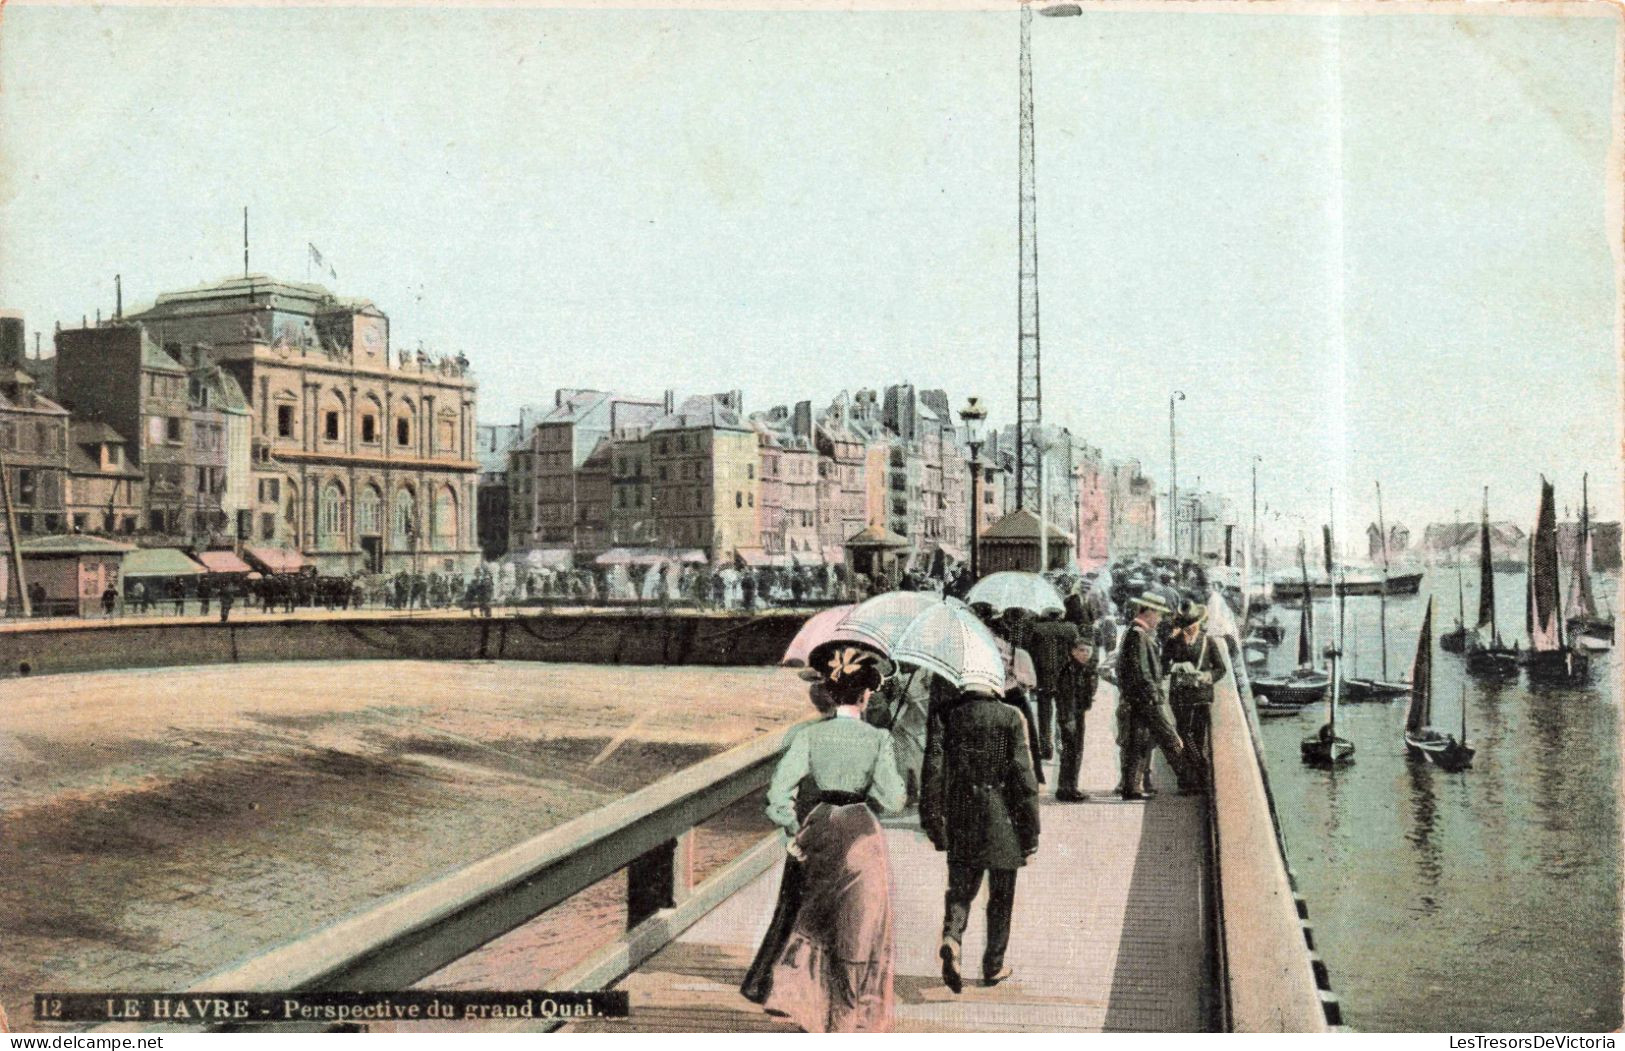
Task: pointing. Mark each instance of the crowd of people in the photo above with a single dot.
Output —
(973, 764)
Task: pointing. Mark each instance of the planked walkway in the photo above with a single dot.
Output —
(1107, 936)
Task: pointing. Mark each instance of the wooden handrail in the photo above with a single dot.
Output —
(1267, 967)
(418, 932)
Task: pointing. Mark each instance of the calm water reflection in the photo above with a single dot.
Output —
(1481, 900)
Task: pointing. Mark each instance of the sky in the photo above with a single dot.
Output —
(1367, 247)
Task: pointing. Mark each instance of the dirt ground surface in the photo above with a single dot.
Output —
(157, 826)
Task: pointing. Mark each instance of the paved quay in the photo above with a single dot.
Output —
(1107, 933)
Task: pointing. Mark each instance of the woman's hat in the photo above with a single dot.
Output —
(837, 661)
(1190, 613)
(1153, 602)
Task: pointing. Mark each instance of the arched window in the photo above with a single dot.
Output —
(332, 516)
(332, 418)
(370, 512)
(406, 516)
(444, 526)
(404, 411)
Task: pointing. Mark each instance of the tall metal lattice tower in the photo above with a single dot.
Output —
(1029, 390)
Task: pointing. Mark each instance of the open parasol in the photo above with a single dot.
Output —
(1017, 589)
(916, 628)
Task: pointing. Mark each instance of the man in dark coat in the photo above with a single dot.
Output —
(1140, 690)
(1049, 643)
(1195, 662)
(979, 803)
(1074, 695)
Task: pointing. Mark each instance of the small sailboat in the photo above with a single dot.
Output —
(1587, 629)
(1289, 694)
(1325, 748)
(1488, 659)
(1551, 659)
(1384, 689)
(1422, 740)
(1455, 640)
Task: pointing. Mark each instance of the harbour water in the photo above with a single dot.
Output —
(1486, 900)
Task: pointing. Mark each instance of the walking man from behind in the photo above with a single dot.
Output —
(1049, 641)
(1140, 690)
(979, 803)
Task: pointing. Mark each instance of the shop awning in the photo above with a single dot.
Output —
(834, 556)
(544, 558)
(275, 559)
(223, 562)
(753, 556)
(649, 556)
(159, 562)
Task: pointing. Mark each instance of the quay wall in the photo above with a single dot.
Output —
(590, 637)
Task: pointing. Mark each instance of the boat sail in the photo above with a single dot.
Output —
(1356, 688)
(1586, 628)
(1488, 658)
(1289, 694)
(1550, 658)
(1422, 739)
(1455, 640)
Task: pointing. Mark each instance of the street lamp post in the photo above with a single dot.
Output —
(972, 415)
(1173, 477)
(1252, 533)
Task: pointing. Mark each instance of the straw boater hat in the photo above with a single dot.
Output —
(1153, 602)
(1190, 613)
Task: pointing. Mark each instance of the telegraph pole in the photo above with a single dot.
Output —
(1173, 478)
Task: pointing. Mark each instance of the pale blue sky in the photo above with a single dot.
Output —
(1366, 247)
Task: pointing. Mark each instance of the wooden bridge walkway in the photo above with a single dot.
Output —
(1108, 932)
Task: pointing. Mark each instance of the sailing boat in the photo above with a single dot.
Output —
(1289, 694)
(1587, 629)
(1325, 748)
(1550, 657)
(1422, 740)
(1455, 640)
(1492, 659)
(1383, 689)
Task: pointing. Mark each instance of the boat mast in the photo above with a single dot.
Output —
(1306, 624)
(1486, 576)
(1461, 598)
(1581, 581)
(1382, 596)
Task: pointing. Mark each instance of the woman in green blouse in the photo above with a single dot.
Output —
(833, 972)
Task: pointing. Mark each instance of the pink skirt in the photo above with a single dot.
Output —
(834, 974)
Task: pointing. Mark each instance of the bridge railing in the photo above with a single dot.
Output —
(649, 833)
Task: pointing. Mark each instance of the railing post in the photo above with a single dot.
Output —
(660, 879)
